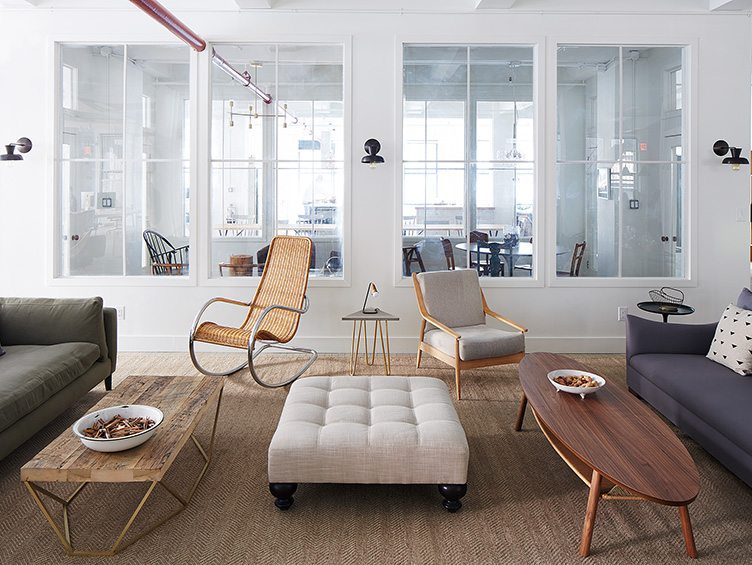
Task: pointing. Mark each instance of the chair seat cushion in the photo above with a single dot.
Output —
(384, 430)
(31, 374)
(478, 342)
(715, 394)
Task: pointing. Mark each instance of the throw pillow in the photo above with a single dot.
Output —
(745, 299)
(732, 343)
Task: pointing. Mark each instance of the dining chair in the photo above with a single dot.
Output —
(453, 327)
(574, 266)
(272, 317)
(166, 259)
(448, 253)
(411, 254)
(480, 261)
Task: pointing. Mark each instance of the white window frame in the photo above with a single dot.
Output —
(203, 164)
(54, 132)
(537, 43)
(689, 129)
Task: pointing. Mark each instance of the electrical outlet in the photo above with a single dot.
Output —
(621, 313)
(120, 312)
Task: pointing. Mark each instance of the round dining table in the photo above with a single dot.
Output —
(510, 254)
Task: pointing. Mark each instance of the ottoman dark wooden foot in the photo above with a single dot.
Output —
(283, 493)
(452, 495)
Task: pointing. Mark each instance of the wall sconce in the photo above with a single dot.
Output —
(371, 291)
(24, 146)
(720, 148)
(372, 158)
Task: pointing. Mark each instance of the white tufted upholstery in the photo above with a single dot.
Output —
(394, 430)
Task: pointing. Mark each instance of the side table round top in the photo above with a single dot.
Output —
(665, 309)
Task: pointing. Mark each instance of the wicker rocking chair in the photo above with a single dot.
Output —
(273, 314)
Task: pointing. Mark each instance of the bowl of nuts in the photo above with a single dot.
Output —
(118, 428)
(576, 382)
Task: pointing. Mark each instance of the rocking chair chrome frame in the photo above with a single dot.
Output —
(252, 354)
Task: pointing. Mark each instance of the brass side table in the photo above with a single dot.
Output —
(360, 322)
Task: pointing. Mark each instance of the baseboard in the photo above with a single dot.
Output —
(341, 344)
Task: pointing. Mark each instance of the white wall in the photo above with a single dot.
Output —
(559, 317)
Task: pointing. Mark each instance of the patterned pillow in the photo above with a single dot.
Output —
(732, 344)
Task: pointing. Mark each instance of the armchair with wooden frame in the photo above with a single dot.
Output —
(272, 316)
(453, 327)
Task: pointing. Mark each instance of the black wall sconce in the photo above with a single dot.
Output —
(736, 160)
(372, 158)
(24, 146)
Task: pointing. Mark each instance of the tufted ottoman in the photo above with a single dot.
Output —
(386, 430)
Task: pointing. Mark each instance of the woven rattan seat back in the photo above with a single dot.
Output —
(283, 282)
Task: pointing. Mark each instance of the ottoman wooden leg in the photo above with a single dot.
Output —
(283, 493)
(452, 495)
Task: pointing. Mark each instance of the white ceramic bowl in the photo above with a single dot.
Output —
(581, 390)
(120, 443)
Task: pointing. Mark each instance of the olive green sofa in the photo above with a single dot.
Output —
(56, 350)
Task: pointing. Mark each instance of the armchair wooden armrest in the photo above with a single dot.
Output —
(444, 328)
(504, 320)
(501, 318)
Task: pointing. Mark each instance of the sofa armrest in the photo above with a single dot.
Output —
(110, 330)
(649, 336)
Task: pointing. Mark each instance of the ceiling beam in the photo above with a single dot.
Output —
(494, 4)
(729, 5)
(254, 4)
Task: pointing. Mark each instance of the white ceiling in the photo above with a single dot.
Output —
(597, 6)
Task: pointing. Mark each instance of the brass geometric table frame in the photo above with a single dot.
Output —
(360, 323)
(64, 534)
(355, 345)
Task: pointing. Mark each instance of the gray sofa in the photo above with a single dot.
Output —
(56, 350)
(667, 367)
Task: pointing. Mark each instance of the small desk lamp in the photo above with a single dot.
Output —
(372, 291)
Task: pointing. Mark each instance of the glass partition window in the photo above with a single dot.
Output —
(468, 130)
(620, 177)
(122, 159)
(278, 169)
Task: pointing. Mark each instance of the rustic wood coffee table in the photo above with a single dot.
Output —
(183, 400)
(610, 439)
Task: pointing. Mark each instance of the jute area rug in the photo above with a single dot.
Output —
(523, 504)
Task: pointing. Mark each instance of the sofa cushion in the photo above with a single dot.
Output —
(31, 374)
(453, 297)
(478, 342)
(48, 321)
(713, 393)
(732, 342)
(745, 299)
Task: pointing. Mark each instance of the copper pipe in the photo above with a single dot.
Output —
(168, 20)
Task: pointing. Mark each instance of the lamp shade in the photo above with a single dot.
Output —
(372, 147)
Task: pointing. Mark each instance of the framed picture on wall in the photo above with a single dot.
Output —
(604, 183)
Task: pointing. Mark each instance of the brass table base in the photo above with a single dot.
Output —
(64, 534)
(362, 329)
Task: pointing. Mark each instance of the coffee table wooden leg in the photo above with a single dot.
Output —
(592, 507)
(521, 413)
(689, 538)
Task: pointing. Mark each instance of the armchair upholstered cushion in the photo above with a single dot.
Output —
(453, 297)
(478, 342)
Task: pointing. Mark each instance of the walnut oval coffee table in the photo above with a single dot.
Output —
(610, 439)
